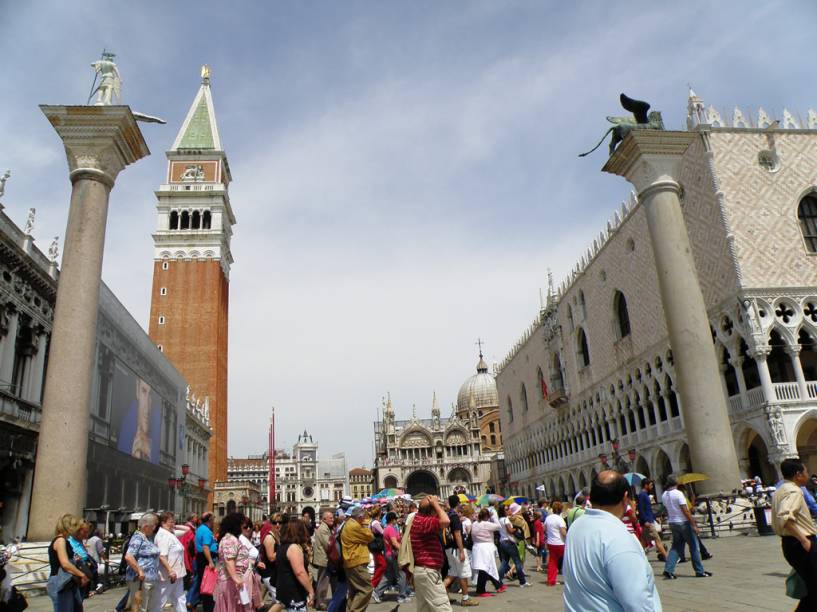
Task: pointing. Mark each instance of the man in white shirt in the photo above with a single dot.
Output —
(605, 567)
(684, 530)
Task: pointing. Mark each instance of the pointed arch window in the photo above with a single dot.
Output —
(622, 315)
(523, 397)
(510, 410)
(543, 386)
(807, 215)
(582, 348)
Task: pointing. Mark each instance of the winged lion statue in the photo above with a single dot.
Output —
(640, 119)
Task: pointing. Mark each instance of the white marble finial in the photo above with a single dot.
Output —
(763, 119)
(812, 119)
(789, 121)
(739, 120)
(713, 117)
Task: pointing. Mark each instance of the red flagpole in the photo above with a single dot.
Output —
(271, 462)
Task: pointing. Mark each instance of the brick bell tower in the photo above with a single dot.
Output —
(191, 268)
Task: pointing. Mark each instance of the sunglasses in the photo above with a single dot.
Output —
(276, 522)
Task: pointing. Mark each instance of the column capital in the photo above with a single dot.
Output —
(650, 159)
(760, 353)
(100, 141)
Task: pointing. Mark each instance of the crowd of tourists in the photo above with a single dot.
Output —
(422, 550)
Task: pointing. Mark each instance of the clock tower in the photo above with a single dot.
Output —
(191, 267)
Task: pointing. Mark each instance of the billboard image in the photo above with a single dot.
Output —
(136, 416)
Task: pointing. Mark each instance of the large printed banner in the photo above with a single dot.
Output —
(136, 415)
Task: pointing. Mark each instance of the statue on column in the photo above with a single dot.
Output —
(622, 126)
(110, 82)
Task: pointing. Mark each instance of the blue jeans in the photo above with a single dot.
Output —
(508, 551)
(338, 603)
(682, 534)
(193, 591)
(68, 600)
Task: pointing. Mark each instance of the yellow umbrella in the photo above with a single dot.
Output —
(692, 477)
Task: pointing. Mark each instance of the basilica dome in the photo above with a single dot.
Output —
(479, 391)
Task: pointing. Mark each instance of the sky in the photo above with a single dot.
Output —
(404, 173)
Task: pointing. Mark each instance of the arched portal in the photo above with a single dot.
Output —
(422, 481)
(390, 482)
(230, 506)
(757, 454)
(459, 476)
(582, 480)
(686, 462)
(663, 467)
(807, 443)
(641, 466)
(572, 484)
(561, 491)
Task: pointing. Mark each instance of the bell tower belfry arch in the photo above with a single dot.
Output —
(191, 268)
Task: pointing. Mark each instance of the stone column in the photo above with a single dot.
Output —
(9, 348)
(33, 393)
(760, 355)
(794, 354)
(651, 160)
(99, 142)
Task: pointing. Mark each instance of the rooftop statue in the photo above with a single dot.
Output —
(110, 83)
(641, 119)
(3, 180)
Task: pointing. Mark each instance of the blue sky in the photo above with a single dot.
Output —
(404, 173)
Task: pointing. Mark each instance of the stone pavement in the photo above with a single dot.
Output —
(749, 572)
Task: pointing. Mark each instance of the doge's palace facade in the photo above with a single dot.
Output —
(596, 365)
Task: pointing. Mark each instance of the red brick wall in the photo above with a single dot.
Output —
(194, 338)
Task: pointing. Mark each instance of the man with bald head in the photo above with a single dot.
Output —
(320, 560)
(604, 565)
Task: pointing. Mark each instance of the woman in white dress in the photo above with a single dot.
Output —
(171, 564)
(483, 553)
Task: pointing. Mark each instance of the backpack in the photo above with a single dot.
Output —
(377, 545)
(123, 565)
(334, 549)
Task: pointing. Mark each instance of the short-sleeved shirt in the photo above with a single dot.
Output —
(95, 548)
(553, 524)
(230, 548)
(504, 535)
(425, 541)
(146, 554)
(390, 532)
(539, 530)
(204, 537)
(456, 526)
(170, 548)
(645, 513)
(673, 501)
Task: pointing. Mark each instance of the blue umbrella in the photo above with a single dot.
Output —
(634, 478)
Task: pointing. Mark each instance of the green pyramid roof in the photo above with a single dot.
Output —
(199, 133)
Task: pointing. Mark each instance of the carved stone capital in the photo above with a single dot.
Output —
(650, 159)
(760, 353)
(99, 140)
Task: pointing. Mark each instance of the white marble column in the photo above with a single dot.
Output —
(794, 354)
(9, 348)
(100, 141)
(651, 161)
(760, 355)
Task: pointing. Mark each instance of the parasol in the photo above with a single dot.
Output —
(634, 478)
(692, 477)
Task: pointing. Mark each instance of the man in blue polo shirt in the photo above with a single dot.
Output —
(206, 555)
(646, 518)
(604, 565)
